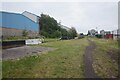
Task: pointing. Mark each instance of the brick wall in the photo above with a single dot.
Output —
(16, 32)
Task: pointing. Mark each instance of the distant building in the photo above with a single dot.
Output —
(102, 33)
(92, 32)
(116, 34)
(65, 27)
(106, 34)
(109, 36)
(81, 35)
(13, 24)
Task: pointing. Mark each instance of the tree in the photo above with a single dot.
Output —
(72, 32)
(88, 32)
(57, 34)
(24, 33)
(48, 26)
(51, 29)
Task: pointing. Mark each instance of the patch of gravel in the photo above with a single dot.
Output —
(19, 52)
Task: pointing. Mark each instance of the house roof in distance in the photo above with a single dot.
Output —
(65, 27)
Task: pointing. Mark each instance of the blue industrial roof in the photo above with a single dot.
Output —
(18, 21)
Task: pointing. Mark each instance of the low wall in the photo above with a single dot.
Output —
(33, 41)
(6, 32)
(11, 44)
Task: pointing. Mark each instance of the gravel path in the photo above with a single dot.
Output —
(19, 52)
(89, 71)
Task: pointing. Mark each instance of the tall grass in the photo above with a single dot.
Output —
(104, 65)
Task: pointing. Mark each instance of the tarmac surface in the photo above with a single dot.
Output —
(19, 52)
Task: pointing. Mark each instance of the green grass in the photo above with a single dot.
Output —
(103, 64)
(51, 39)
(66, 61)
(0, 69)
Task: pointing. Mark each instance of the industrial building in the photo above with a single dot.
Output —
(13, 24)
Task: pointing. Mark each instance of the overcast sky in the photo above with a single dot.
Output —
(81, 15)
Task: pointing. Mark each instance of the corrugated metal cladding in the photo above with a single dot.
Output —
(31, 16)
(18, 21)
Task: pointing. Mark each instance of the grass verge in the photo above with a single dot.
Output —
(106, 58)
(66, 61)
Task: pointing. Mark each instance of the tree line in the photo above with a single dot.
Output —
(49, 28)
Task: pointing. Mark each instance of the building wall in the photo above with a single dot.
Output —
(11, 32)
(109, 36)
(102, 32)
(116, 34)
(16, 32)
(13, 24)
(17, 21)
(31, 16)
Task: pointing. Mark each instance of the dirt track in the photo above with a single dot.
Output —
(89, 71)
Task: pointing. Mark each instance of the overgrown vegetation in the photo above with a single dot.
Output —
(12, 38)
(66, 61)
(51, 29)
(24, 33)
(106, 58)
